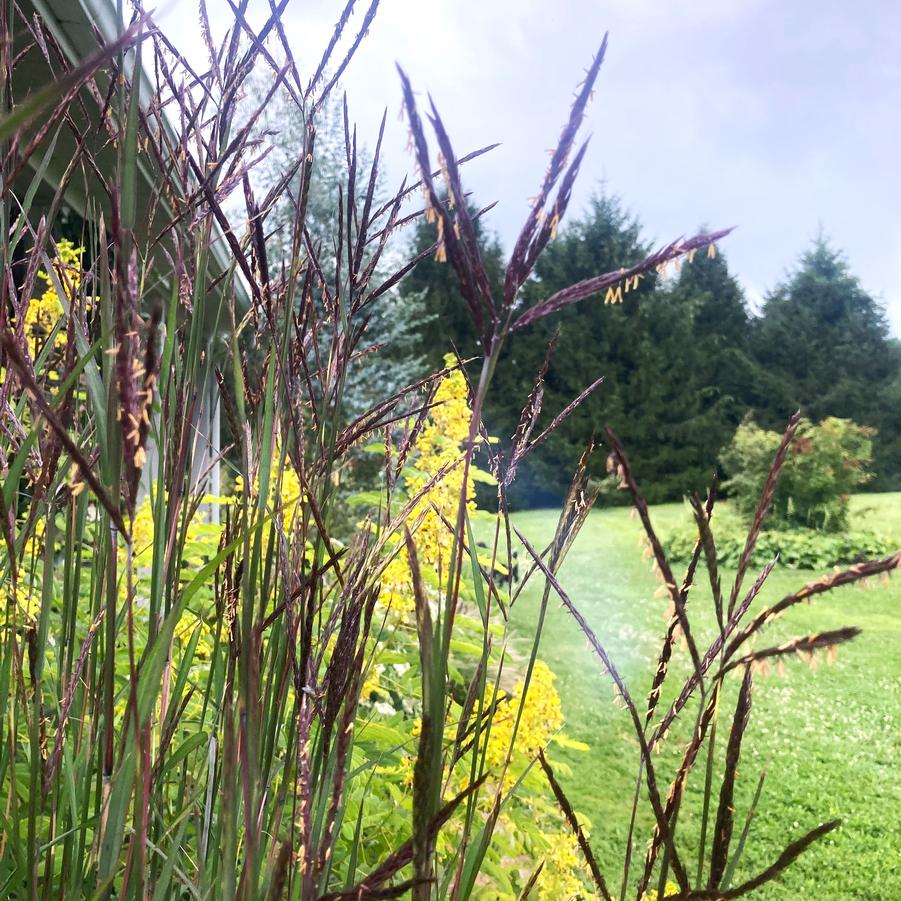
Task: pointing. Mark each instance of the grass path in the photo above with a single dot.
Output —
(829, 738)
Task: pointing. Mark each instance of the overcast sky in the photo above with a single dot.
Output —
(778, 117)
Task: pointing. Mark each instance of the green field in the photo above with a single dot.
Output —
(828, 737)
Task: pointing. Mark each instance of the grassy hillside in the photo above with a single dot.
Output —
(829, 738)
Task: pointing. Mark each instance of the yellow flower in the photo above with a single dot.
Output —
(542, 716)
(669, 889)
(184, 632)
(28, 603)
(290, 496)
(35, 543)
(396, 588)
(142, 533)
(372, 684)
(44, 312)
(407, 764)
(563, 864)
(441, 445)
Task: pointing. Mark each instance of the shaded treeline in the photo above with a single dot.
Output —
(683, 357)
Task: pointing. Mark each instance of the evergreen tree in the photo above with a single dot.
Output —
(683, 362)
(661, 352)
(825, 345)
(672, 359)
(887, 444)
(716, 299)
(724, 377)
(595, 339)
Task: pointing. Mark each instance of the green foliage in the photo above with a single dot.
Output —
(823, 346)
(673, 356)
(797, 548)
(826, 463)
(683, 360)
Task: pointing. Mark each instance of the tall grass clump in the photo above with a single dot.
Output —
(215, 688)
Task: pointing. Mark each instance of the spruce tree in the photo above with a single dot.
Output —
(675, 373)
(645, 349)
(723, 378)
(825, 346)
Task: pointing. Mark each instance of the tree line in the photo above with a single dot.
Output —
(684, 359)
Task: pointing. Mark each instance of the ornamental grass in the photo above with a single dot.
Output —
(231, 671)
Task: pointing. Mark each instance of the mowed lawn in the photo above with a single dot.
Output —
(828, 737)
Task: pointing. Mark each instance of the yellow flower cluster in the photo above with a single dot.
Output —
(44, 312)
(441, 445)
(542, 716)
(289, 496)
(35, 543)
(185, 629)
(200, 541)
(28, 604)
(562, 864)
(669, 889)
(440, 450)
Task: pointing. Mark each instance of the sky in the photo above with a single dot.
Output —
(780, 118)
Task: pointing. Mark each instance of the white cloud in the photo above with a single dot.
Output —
(767, 115)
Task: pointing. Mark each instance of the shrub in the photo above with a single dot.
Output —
(825, 464)
(798, 548)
